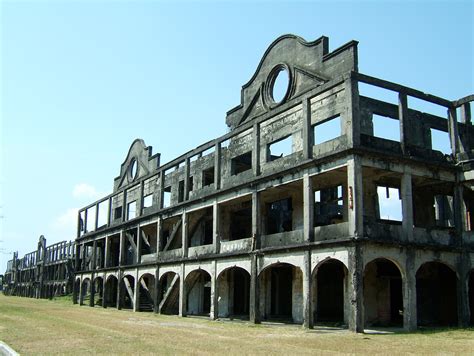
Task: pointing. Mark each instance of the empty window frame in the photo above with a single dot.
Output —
(427, 107)
(241, 163)
(241, 223)
(208, 176)
(390, 203)
(327, 130)
(279, 216)
(386, 127)
(444, 210)
(82, 227)
(191, 184)
(148, 201)
(103, 213)
(440, 141)
(166, 197)
(328, 206)
(118, 213)
(180, 191)
(91, 216)
(280, 148)
(131, 210)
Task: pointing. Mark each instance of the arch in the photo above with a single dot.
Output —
(198, 292)
(281, 288)
(328, 291)
(127, 292)
(168, 294)
(383, 293)
(436, 296)
(110, 291)
(99, 291)
(203, 268)
(233, 291)
(85, 291)
(146, 292)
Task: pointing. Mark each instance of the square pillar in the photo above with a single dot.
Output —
(355, 197)
(409, 293)
(215, 227)
(256, 219)
(307, 280)
(407, 207)
(355, 290)
(214, 313)
(184, 234)
(254, 305)
(308, 208)
(182, 294)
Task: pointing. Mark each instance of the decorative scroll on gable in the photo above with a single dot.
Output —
(138, 163)
(304, 66)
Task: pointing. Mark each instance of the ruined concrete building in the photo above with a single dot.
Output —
(285, 217)
(44, 273)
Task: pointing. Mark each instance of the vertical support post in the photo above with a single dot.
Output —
(121, 247)
(96, 217)
(217, 166)
(214, 313)
(107, 251)
(125, 207)
(182, 293)
(355, 193)
(462, 290)
(466, 113)
(256, 149)
(356, 295)
(409, 292)
(119, 289)
(256, 219)
(184, 233)
(159, 236)
(94, 255)
(92, 290)
(110, 212)
(308, 208)
(307, 280)
(403, 121)
(407, 206)
(352, 120)
(460, 213)
(136, 292)
(186, 179)
(215, 226)
(156, 299)
(104, 293)
(161, 188)
(453, 131)
(308, 139)
(140, 199)
(254, 305)
(139, 245)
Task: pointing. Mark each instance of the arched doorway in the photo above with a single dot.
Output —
(127, 292)
(329, 285)
(281, 286)
(75, 292)
(383, 296)
(147, 295)
(110, 292)
(85, 291)
(98, 291)
(471, 296)
(233, 293)
(169, 294)
(198, 289)
(436, 298)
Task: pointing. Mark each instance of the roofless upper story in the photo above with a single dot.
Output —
(316, 116)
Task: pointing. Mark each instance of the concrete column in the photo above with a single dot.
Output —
(352, 118)
(182, 293)
(184, 233)
(453, 131)
(159, 236)
(107, 251)
(462, 290)
(407, 207)
(119, 289)
(136, 292)
(81, 299)
(256, 219)
(217, 166)
(466, 113)
(104, 301)
(92, 297)
(254, 303)
(256, 149)
(94, 255)
(403, 121)
(308, 139)
(121, 247)
(124, 205)
(157, 295)
(355, 289)
(214, 313)
(355, 194)
(75, 292)
(161, 190)
(215, 227)
(307, 279)
(139, 245)
(460, 214)
(186, 179)
(409, 293)
(308, 208)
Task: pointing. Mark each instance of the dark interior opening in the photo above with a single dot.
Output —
(471, 296)
(279, 216)
(330, 292)
(241, 163)
(281, 292)
(241, 223)
(208, 176)
(241, 293)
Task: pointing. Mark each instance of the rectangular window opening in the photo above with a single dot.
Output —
(427, 107)
(328, 206)
(90, 225)
(444, 210)
(279, 216)
(103, 213)
(390, 203)
(180, 191)
(378, 93)
(280, 148)
(327, 130)
(440, 141)
(386, 127)
(208, 176)
(241, 223)
(167, 197)
(148, 201)
(241, 163)
(191, 184)
(118, 213)
(131, 210)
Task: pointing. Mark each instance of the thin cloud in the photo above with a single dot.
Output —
(85, 191)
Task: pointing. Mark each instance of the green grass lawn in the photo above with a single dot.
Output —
(32, 326)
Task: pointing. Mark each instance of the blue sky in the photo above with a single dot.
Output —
(81, 80)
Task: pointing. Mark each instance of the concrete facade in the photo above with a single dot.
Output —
(44, 273)
(285, 217)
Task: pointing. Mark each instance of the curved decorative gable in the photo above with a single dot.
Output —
(138, 163)
(307, 65)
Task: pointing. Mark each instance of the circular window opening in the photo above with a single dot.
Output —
(133, 168)
(280, 84)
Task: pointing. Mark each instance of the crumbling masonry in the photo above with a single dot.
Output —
(285, 217)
